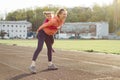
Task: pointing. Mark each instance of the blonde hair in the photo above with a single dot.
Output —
(60, 11)
(48, 12)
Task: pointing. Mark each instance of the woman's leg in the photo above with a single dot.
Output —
(49, 48)
(41, 38)
(51, 66)
(52, 42)
(52, 39)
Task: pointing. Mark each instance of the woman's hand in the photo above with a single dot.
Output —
(59, 27)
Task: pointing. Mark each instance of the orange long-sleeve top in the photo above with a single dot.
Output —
(52, 26)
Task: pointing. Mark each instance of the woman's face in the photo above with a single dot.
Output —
(63, 15)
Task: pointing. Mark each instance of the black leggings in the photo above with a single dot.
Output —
(42, 36)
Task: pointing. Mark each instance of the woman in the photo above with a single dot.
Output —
(43, 33)
(49, 15)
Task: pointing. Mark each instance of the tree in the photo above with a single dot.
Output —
(75, 14)
(98, 13)
(116, 15)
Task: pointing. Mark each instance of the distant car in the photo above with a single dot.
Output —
(31, 37)
(73, 37)
(6, 37)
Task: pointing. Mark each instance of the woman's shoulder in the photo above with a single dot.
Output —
(54, 19)
(46, 20)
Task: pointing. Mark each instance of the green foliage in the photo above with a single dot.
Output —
(75, 14)
(1, 18)
(35, 16)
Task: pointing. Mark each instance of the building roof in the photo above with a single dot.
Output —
(15, 22)
(88, 23)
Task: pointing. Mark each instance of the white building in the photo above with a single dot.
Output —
(16, 29)
(85, 30)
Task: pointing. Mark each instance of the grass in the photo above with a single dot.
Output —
(106, 46)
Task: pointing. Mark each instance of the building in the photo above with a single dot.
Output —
(86, 30)
(15, 29)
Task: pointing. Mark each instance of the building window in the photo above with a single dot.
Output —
(16, 31)
(20, 31)
(3, 25)
(16, 26)
(11, 25)
(7, 25)
(11, 30)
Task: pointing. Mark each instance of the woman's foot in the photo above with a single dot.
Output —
(32, 69)
(52, 67)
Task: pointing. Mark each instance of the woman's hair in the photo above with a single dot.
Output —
(60, 11)
(48, 12)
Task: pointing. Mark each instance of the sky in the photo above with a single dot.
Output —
(12, 5)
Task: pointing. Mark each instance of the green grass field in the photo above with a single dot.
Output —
(106, 46)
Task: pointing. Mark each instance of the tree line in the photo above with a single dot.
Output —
(76, 14)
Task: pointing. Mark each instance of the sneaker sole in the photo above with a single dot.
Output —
(33, 72)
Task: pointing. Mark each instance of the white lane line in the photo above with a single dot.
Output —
(81, 61)
(107, 65)
(88, 62)
(107, 78)
(12, 67)
(18, 69)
